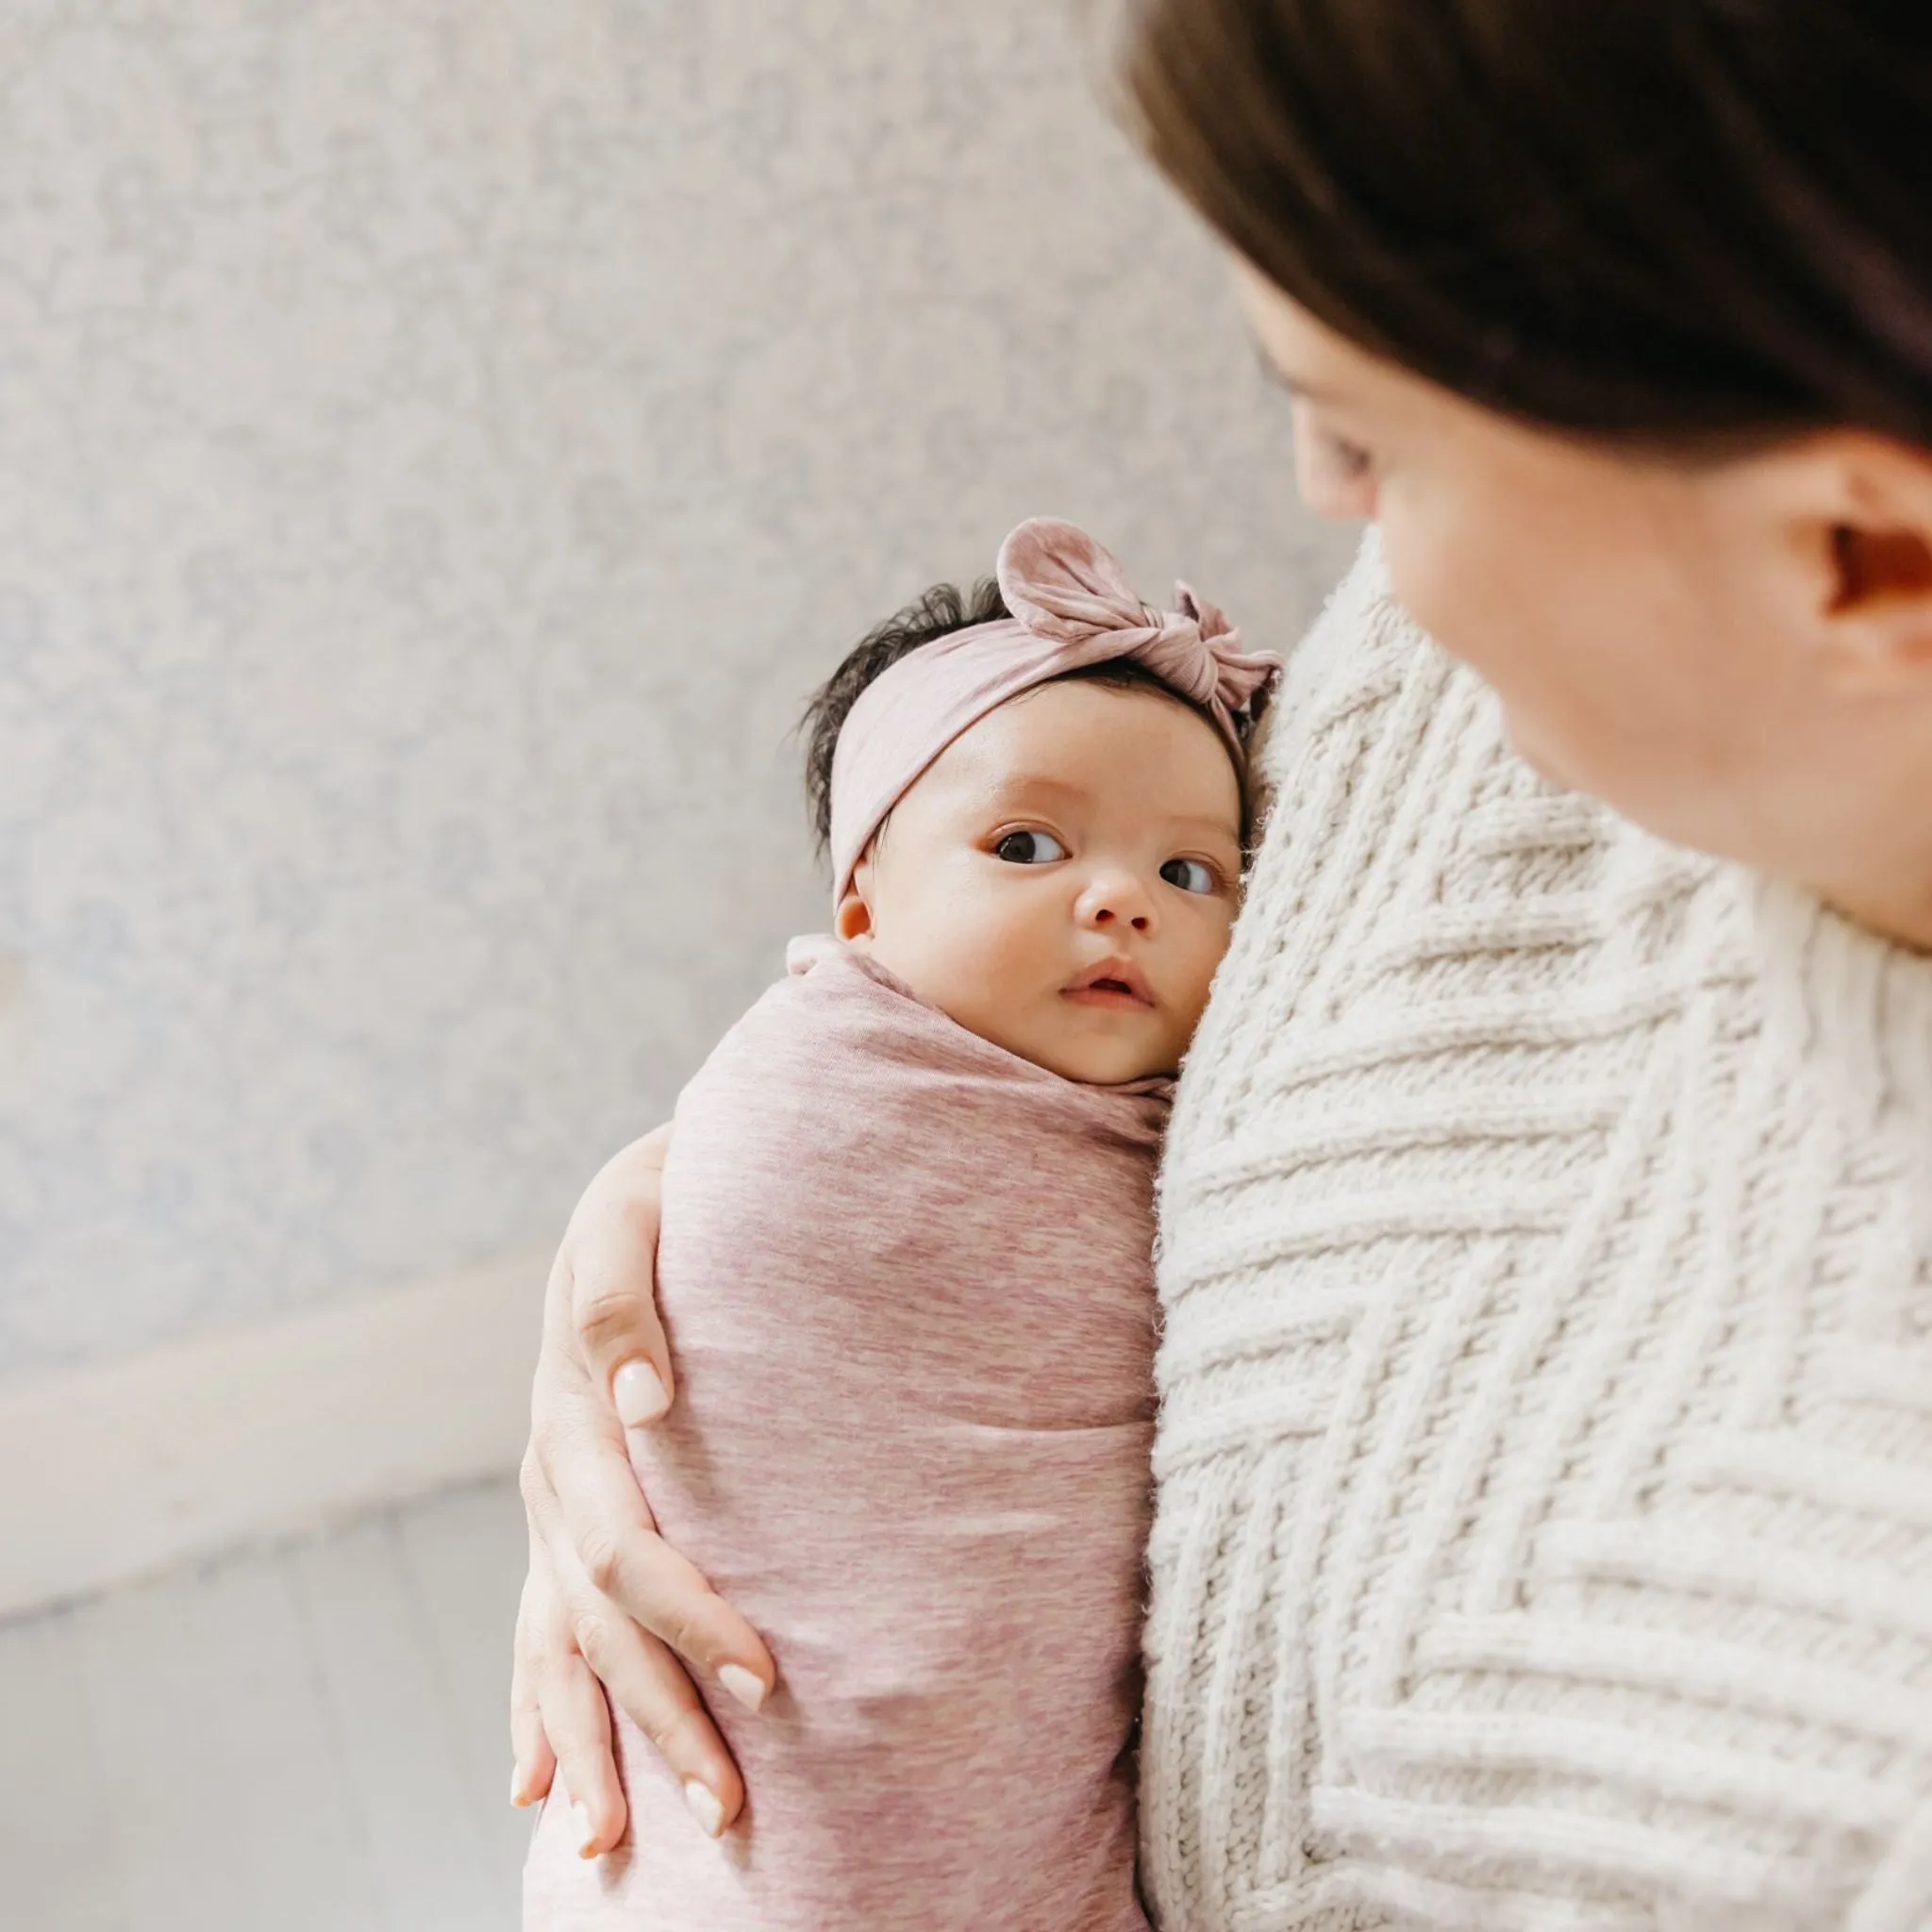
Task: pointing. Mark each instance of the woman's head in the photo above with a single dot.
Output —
(1619, 319)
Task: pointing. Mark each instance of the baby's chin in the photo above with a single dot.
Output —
(1097, 1060)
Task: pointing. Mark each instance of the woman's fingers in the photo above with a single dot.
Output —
(607, 1598)
(579, 1481)
(559, 1721)
(610, 1254)
(578, 1721)
(567, 1630)
(651, 1686)
(533, 1764)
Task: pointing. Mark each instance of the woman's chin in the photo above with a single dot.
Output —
(1557, 765)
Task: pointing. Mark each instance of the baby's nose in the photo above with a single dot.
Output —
(1118, 901)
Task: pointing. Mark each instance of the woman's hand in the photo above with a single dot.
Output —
(606, 1597)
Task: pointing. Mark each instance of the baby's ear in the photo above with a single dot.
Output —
(853, 920)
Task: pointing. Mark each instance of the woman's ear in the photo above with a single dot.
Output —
(1878, 539)
(853, 920)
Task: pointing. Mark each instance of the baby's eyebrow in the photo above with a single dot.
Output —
(1020, 787)
(1219, 828)
(1031, 785)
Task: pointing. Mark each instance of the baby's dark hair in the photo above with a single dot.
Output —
(943, 611)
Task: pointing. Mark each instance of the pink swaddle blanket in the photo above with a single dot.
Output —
(908, 1280)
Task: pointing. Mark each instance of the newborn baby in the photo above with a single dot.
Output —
(906, 1270)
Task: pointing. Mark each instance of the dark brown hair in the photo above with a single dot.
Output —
(936, 614)
(1671, 221)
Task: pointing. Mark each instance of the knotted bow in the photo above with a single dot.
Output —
(1072, 606)
(1061, 584)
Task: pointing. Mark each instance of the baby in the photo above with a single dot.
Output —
(906, 1270)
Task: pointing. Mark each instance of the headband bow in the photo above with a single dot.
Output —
(1072, 606)
(1061, 584)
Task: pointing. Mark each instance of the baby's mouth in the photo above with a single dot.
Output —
(1116, 984)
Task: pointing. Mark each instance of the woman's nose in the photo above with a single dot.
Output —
(1119, 899)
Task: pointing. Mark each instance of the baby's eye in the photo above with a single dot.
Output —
(1189, 875)
(1029, 848)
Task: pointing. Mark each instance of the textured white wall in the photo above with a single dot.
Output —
(440, 444)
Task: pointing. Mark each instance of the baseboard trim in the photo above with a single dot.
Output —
(119, 1470)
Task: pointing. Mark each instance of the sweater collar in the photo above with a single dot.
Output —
(1857, 1007)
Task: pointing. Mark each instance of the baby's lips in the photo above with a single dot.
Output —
(1113, 975)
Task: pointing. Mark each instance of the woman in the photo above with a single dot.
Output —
(1545, 1463)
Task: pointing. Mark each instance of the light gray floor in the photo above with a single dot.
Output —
(305, 1740)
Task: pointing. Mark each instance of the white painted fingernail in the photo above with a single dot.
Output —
(639, 1392)
(516, 1787)
(587, 1839)
(704, 1807)
(746, 1686)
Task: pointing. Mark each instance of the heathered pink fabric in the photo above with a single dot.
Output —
(908, 1280)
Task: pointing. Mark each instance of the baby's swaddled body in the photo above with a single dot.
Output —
(907, 1282)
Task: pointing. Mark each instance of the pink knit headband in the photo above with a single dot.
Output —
(1072, 606)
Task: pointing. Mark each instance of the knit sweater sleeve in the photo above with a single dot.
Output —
(1543, 1535)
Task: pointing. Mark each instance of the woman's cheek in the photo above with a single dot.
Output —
(1423, 570)
(1469, 595)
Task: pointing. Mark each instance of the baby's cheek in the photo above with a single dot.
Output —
(1186, 1018)
(1193, 1002)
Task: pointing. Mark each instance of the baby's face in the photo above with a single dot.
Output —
(1062, 879)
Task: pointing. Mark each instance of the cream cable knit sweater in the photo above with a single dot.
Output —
(1544, 1534)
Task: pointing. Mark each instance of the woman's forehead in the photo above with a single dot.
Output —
(1298, 349)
